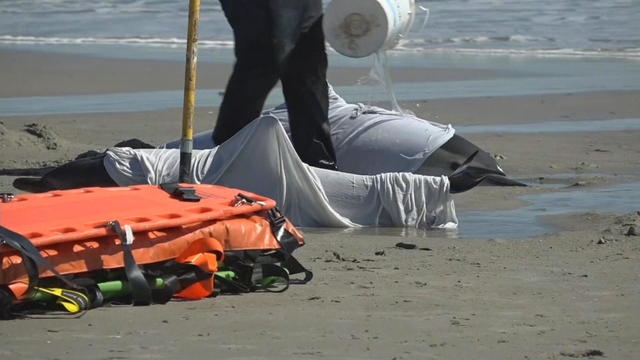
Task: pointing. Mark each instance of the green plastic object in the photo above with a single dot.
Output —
(227, 274)
(118, 288)
(109, 289)
(41, 296)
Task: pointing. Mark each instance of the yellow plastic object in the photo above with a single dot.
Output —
(73, 301)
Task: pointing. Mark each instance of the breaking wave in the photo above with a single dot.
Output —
(489, 39)
(157, 42)
(440, 46)
(410, 45)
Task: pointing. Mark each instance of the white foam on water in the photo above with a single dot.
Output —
(156, 42)
(405, 46)
(544, 28)
(630, 53)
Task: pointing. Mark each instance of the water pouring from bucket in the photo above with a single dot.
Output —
(359, 28)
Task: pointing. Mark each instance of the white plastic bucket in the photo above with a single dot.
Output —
(358, 28)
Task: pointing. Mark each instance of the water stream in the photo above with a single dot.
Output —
(523, 222)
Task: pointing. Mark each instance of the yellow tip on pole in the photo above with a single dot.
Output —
(189, 104)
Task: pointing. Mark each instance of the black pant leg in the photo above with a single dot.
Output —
(254, 73)
(306, 93)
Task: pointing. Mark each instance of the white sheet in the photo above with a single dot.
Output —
(368, 140)
(261, 159)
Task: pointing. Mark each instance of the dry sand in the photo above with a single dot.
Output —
(570, 294)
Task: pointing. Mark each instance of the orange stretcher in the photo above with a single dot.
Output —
(84, 230)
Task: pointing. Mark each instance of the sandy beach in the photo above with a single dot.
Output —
(570, 292)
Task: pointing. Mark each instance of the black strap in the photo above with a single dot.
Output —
(264, 271)
(294, 267)
(230, 285)
(252, 277)
(31, 257)
(242, 265)
(140, 289)
(184, 193)
(92, 291)
(287, 261)
(176, 277)
(6, 301)
(287, 241)
(165, 293)
(288, 244)
(196, 274)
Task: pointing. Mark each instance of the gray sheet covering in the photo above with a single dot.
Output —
(368, 140)
(261, 159)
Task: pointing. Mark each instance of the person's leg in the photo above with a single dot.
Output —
(254, 73)
(291, 18)
(306, 93)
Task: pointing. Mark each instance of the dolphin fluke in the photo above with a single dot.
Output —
(26, 171)
(460, 155)
(499, 180)
(463, 178)
(83, 172)
(31, 184)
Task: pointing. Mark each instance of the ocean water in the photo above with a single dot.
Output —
(538, 47)
(516, 27)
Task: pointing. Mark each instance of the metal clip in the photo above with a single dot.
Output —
(242, 199)
(6, 197)
(125, 233)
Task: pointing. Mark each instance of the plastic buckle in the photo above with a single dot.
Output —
(186, 194)
(124, 233)
(183, 193)
(275, 217)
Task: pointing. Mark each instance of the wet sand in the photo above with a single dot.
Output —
(52, 74)
(572, 293)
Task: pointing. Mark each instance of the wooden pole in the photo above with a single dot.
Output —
(188, 107)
